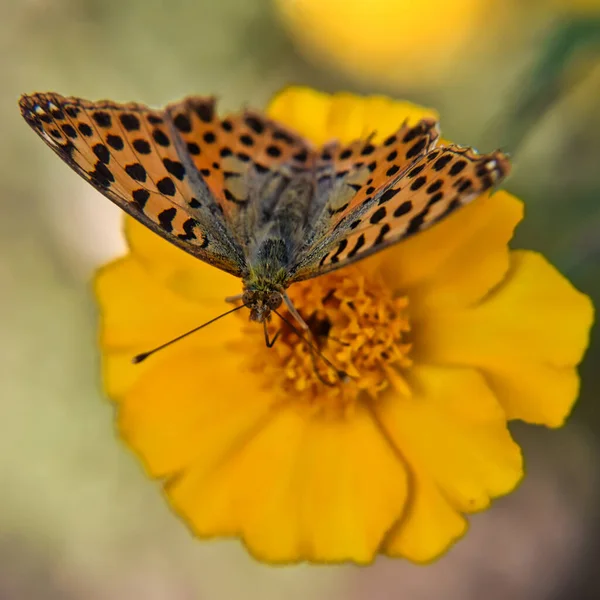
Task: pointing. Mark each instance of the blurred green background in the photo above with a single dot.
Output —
(78, 520)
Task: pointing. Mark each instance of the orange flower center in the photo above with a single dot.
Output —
(358, 341)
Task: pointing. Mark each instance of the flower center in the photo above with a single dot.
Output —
(358, 341)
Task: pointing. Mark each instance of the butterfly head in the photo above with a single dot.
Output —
(262, 302)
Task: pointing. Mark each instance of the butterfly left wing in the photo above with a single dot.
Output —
(133, 156)
(439, 182)
(234, 152)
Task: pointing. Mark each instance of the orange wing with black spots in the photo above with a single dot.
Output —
(435, 184)
(349, 176)
(226, 189)
(232, 152)
(133, 156)
(365, 167)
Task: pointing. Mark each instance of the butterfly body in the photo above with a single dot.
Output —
(253, 198)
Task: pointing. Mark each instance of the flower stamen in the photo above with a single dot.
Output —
(356, 343)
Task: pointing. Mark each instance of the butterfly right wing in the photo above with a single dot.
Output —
(348, 176)
(437, 183)
(132, 155)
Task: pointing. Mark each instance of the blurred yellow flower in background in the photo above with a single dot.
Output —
(450, 335)
(393, 41)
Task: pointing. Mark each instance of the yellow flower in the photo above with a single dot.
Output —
(395, 41)
(446, 336)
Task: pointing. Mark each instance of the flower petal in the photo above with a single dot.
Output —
(302, 488)
(177, 270)
(430, 525)
(453, 433)
(137, 313)
(343, 116)
(457, 261)
(192, 409)
(527, 337)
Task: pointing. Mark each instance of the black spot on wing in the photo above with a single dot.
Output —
(404, 208)
(417, 148)
(142, 146)
(418, 183)
(435, 186)
(417, 222)
(382, 233)
(175, 168)
(182, 123)
(102, 153)
(360, 242)
(205, 111)
(101, 176)
(193, 148)
(188, 227)
(115, 142)
(388, 195)
(129, 121)
(102, 118)
(457, 167)
(165, 219)
(435, 198)
(136, 171)
(166, 186)
(160, 138)
(69, 130)
(85, 129)
(341, 247)
(255, 124)
(378, 215)
(140, 197)
(442, 161)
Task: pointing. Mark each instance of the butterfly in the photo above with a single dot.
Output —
(250, 196)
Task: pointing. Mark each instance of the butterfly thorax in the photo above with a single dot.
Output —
(267, 278)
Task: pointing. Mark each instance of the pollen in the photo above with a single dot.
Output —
(358, 343)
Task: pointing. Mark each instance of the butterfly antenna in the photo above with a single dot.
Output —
(144, 355)
(340, 374)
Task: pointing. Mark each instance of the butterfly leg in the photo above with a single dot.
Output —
(342, 376)
(268, 342)
(296, 314)
(234, 299)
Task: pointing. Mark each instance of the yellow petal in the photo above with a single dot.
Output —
(301, 488)
(343, 116)
(137, 313)
(453, 433)
(527, 337)
(430, 525)
(192, 409)
(177, 270)
(458, 260)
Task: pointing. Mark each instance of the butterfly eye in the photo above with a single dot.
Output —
(274, 300)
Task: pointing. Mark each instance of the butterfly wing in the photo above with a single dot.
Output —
(348, 176)
(436, 183)
(237, 155)
(208, 184)
(136, 157)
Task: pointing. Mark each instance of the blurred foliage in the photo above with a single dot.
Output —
(78, 516)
